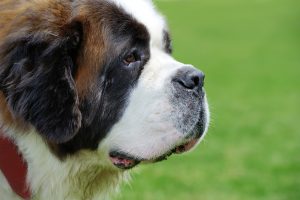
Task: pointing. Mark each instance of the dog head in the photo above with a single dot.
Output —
(99, 75)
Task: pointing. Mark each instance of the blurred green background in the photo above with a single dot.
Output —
(250, 53)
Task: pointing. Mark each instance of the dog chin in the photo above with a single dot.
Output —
(125, 160)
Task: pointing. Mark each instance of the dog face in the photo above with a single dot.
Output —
(99, 75)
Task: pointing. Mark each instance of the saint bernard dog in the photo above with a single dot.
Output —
(89, 89)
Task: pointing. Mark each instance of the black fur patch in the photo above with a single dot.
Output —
(36, 78)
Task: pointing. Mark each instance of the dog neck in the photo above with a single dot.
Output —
(85, 175)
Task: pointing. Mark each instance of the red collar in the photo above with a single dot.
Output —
(13, 167)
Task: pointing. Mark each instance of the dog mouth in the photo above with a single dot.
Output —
(125, 161)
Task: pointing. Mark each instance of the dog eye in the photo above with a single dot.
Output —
(131, 58)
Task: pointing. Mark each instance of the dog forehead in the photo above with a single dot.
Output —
(144, 12)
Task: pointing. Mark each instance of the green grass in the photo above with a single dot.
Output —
(250, 52)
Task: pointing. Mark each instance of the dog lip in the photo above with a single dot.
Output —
(123, 160)
(126, 161)
(186, 146)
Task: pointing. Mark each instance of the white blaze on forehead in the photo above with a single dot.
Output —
(144, 12)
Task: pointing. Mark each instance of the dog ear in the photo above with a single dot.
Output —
(36, 76)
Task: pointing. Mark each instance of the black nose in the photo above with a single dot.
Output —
(190, 78)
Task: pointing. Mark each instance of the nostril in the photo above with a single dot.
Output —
(190, 78)
(187, 83)
(196, 80)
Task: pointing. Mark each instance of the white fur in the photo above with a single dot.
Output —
(144, 12)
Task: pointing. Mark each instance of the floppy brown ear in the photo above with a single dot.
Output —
(36, 76)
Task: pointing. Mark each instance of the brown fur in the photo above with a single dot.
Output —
(49, 19)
